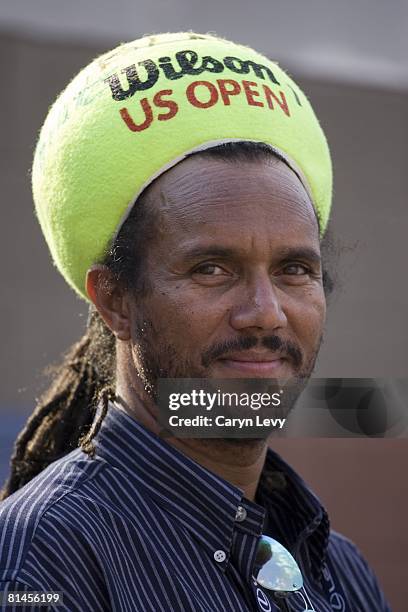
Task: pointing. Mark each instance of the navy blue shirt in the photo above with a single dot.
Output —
(142, 528)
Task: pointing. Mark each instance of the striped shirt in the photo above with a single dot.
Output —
(143, 528)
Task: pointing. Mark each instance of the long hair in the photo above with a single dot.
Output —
(63, 418)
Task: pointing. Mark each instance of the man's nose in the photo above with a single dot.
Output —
(259, 306)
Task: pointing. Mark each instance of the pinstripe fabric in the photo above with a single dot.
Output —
(135, 530)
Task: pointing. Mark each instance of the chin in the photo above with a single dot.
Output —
(244, 442)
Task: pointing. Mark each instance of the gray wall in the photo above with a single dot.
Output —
(367, 334)
(364, 41)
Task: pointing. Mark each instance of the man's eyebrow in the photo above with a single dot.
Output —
(207, 251)
(286, 254)
(305, 253)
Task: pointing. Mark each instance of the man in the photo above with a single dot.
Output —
(195, 233)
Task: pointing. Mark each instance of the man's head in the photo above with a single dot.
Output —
(140, 109)
(214, 267)
(228, 283)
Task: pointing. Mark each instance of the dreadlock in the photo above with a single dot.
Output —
(64, 417)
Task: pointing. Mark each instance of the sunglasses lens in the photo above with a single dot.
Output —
(275, 568)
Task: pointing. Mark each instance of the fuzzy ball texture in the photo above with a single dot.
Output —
(139, 109)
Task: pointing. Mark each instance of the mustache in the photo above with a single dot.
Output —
(273, 343)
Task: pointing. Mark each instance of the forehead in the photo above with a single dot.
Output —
(233, 198)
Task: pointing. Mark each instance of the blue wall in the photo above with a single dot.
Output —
(11, 422)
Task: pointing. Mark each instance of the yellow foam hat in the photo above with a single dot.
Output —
(139, 109)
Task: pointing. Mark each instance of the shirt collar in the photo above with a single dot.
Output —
(205, 504)
(294, 514)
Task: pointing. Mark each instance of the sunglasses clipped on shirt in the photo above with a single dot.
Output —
(276, 570)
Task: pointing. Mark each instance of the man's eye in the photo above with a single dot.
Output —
(296, 269)
(209, 270)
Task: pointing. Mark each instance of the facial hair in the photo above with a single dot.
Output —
(156, 359)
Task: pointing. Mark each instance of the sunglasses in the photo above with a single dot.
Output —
(276, 570)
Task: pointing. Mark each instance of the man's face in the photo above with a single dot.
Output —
(234, 272)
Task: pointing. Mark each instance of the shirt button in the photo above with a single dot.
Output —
(220, 556)
(241, 514)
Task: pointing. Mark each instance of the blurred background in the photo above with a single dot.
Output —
(351, 60)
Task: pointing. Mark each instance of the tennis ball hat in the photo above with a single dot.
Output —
(139, 109)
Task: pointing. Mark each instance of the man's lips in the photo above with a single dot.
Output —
(253, 363)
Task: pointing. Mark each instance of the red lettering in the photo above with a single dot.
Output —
(191, 95)
(225, 92)
(135, 127)
(250, 93)
(170, 104)
(271, 97)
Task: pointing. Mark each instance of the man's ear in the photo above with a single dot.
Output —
(109, 299)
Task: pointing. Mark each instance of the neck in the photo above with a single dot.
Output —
(239, 462)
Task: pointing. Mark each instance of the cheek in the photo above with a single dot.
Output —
(181, 319)
(306, 317)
